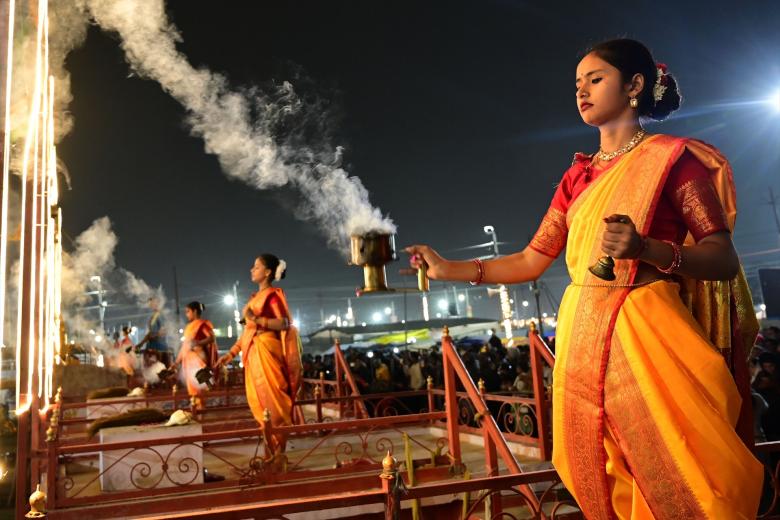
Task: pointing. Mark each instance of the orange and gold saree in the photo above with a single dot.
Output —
(272, 364)
(644, 401)
(193, 358)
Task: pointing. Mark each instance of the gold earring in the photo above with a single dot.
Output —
(633, 102)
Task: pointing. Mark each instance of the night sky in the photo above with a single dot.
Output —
(454, 115)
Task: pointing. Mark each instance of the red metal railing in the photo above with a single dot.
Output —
(65, 500)
(495, 444)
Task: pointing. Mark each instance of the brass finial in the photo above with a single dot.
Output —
(604, 268)
(481, 385)
(532, 326)
(266, 415)
(58, 395)
(174, 389)
(37, 504)
(429, 381)
(317, 392)
(337, 343)
(388, 464)
(322, 375)
(445, 331)
(146, 387)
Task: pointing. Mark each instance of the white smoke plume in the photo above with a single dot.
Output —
(93, 256)
(238, 125)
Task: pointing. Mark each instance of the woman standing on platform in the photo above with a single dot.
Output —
(270, 350)
(645, 403)
(198, 350)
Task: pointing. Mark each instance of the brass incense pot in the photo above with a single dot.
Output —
(372, 252)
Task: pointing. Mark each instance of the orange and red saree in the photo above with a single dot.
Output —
(644, 406)
(272, 364)
(194, 358)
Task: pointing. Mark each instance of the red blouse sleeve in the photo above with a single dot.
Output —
(692, 194)
(550, 238)
(273, 308)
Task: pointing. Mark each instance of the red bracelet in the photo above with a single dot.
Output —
(676, 262)
(480, 272)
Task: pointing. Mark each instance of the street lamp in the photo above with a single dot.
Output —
(490, 230)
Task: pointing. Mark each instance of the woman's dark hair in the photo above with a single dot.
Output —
(196, 307)
(126, 329)
(271, 262)
(632, 57)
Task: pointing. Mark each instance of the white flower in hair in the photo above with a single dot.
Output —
(280, 269)
(659, 88)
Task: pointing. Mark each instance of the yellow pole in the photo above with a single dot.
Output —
(410, 472)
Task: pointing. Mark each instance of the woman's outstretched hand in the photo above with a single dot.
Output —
(423, 253)
(621, 239)
(224, 359)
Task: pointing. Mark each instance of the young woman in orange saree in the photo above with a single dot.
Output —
(198, 350)
(650, 377)
(270, 350)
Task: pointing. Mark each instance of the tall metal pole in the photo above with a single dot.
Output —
(176, 298)
(773, 203)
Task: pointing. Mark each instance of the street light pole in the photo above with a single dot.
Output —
(236, 314)
(490, 230)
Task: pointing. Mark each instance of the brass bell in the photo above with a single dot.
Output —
(604, 268)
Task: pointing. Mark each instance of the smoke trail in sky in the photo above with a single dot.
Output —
(238, 125)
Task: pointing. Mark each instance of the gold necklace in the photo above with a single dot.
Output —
(606, 157)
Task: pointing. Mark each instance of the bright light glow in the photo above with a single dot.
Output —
(370, 354)
(388, 311)
(525, 303)
(91, 332)
(403, 321)
(762, 307)
(544, 315)
(100, 360)
(412, 340)
(426, 313)
(98, 338)
(228, 299)
(443, 304)
(363, 324)
(438, 315)
(775, 100)
(297, 323)
(181, 331)
(396, 350)
(489, 332)
(461, 297)
(230, 331)
(376, 317)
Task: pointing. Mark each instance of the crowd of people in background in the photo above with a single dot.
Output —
(765, 375)
(503, 369)
(507, 370)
